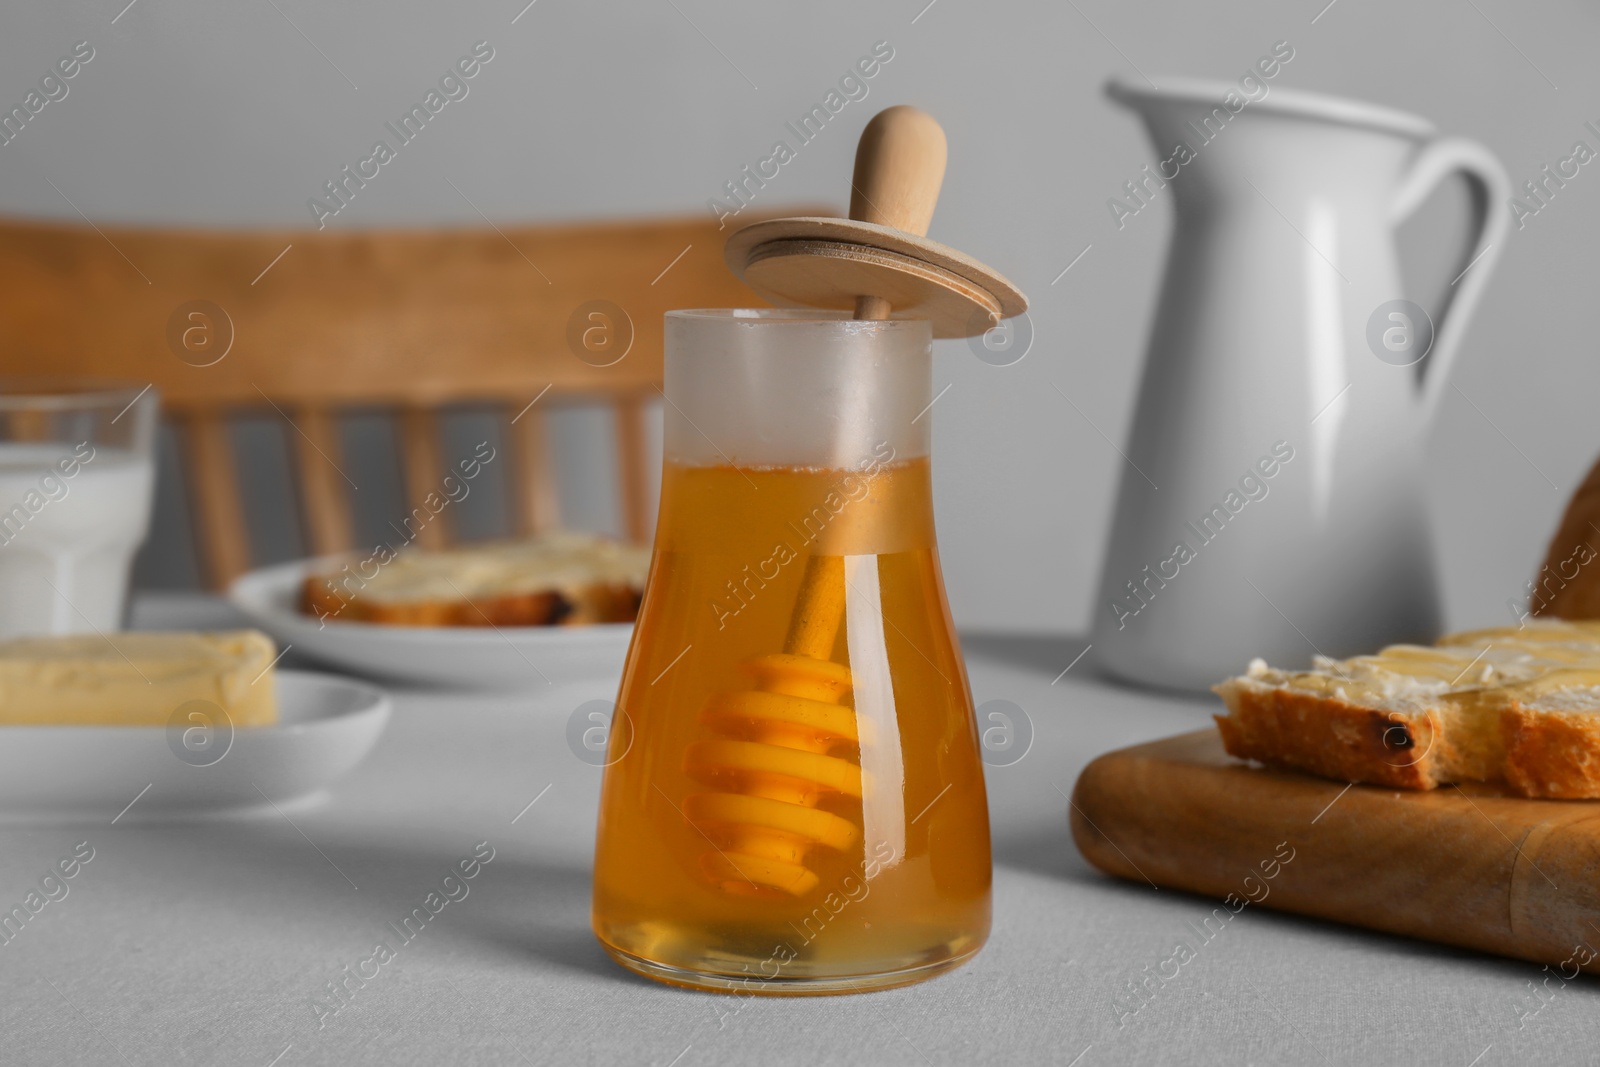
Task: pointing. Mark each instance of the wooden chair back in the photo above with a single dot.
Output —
(313, 323)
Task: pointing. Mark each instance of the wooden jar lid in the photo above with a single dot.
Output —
(878, 259)
(827, 263)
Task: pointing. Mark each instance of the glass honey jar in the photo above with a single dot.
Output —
(795, 803)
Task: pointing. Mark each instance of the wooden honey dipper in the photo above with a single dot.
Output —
(880, 263)
(772, 765)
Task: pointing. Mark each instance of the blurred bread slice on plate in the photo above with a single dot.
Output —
(566, 579)
(509, 615)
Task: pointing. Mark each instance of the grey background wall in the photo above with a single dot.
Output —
(204, 113)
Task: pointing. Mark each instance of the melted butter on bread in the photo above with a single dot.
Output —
(1540, 657)
(567, 563)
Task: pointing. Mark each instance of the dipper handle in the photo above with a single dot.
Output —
(899, 167)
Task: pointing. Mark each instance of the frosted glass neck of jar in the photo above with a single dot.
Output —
(795, 388)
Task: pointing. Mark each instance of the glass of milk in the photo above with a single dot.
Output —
(77, 475)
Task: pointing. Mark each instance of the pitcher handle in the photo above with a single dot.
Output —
(1490, 187)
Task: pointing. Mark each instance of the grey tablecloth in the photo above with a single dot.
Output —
(215, 942)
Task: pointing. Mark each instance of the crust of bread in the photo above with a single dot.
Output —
(604, 602)
(1545, 754)
(1551, 754)
(596, 603)
(1575, 595)
(1329, 737)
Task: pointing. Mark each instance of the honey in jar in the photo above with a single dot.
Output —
(796, 803)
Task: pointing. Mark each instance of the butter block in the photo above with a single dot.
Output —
(136, 679)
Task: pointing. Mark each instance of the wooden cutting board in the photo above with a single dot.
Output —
(1466, 866)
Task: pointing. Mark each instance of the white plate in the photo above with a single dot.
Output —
(490, 657)
(326, 726)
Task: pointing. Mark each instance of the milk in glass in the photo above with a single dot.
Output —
(71, 517)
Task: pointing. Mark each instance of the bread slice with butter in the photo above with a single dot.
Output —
(136, 678)
(559, 579)
(1516, 704)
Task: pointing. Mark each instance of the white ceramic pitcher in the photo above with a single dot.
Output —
(1286, 396)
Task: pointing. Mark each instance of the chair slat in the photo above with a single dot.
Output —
(28, 426)
(213, 490)
(352, 316)
(531, 477)
(324, 493)
(629, 426)
(423, 471)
